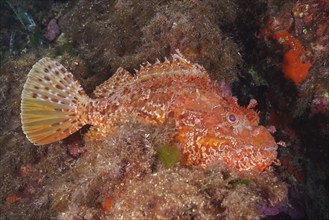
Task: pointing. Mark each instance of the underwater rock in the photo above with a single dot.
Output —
(123, 176)
(301, 106)
(128, 33)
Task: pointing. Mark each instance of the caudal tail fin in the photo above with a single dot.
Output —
(53, 104)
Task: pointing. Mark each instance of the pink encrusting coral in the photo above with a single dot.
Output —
(52, 30)
(320, 104)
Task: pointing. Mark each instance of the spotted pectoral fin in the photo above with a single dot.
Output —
(118, 80)
(52, 105)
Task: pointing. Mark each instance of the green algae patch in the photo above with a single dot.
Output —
(65, 48)
(245, 182)
(168, 155)
(258, 79)
(35, 38)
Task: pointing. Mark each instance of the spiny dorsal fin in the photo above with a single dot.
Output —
(178, 65)
(118, 80)
(53, 103)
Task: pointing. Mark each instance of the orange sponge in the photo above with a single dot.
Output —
(294, 68)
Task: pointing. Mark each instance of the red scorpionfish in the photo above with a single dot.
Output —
(210, 126)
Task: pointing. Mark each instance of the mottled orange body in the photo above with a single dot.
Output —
(209, 126)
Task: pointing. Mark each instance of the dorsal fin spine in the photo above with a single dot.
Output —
(178, 65)
(119, 79)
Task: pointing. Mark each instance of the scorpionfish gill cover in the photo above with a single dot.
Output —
(209, 125)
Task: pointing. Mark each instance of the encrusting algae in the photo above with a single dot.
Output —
(209, 125)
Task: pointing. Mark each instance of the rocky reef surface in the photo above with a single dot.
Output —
(273, 51)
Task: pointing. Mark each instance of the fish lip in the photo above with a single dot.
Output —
(270, 149)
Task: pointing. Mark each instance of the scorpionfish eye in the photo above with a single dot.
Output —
(232, 118)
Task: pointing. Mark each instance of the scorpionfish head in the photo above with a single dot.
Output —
(245, 145)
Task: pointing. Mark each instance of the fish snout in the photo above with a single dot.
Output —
(261, 131)
(263, 137)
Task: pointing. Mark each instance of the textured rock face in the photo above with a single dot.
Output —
(126, 33)
(123, 176)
